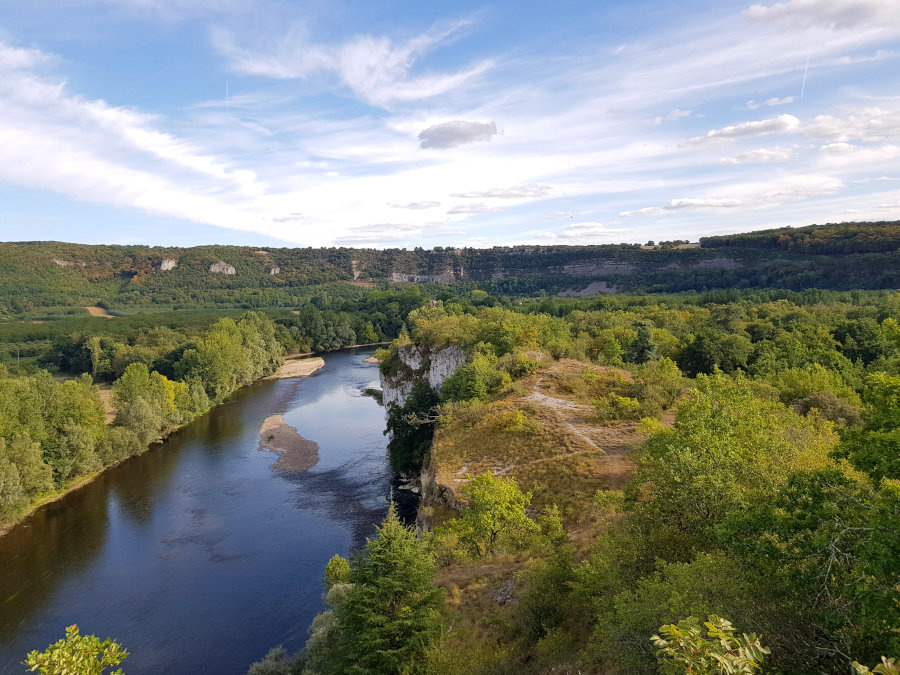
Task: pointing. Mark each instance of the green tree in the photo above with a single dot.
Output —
(77, 655)
(643, 348)
(875, 448)
(728, 448)
(495, 516)
(390, 613)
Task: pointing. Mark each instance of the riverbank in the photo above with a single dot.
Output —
(294, 367)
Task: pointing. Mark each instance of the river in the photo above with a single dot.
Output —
(197, 556)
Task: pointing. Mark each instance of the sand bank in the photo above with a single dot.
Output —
(297, 453)
(298, 368)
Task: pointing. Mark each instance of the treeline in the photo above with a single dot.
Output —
(49, 277)
(328, 319)
(881, 237)
(52, 432)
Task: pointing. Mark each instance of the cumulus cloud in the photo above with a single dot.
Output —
(858, 123)
(375, 68)
(455, 133)
(837, 14)
(416, 206)
(771, 102)
(775, 125)
(475, 208)
(759, 155)
(516, 192)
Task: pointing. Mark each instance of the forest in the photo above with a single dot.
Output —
(703, 480)
(755, 526)
(41, 281)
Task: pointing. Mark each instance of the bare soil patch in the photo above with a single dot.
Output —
(106, 398)
(96, 310)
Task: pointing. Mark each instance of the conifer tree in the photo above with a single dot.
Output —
(391, 613)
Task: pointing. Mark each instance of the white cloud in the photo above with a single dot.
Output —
(475, 208)
(684, 203)
(775, 125)
(676, 114)
(857, 123)
(784, 100)
(767, 193)
(836, 14)
(589, 230)
(776, 154)
(455, 133)
(96, 152)
(374, 68)
(517, 192)
(416, 206)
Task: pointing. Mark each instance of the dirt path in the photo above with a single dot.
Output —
(575, 425)
(96, 310)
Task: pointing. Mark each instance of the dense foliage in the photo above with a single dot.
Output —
(52, 432)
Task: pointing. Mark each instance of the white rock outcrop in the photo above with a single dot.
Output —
(420, 364)
(167, 264)
(222, 268)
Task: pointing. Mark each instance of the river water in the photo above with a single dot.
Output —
(197, 556)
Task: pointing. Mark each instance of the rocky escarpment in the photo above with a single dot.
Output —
(221, 268)
(414, 364)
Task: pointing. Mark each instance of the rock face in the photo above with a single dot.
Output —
(275, 271)
(222, 268)
(447, 277)
(419, 364)
(167, 264)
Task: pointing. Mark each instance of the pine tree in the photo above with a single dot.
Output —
(643, 348)
(391, 613)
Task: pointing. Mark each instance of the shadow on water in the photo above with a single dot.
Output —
(197, 555)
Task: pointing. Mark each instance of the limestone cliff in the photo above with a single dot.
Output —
(416, 364)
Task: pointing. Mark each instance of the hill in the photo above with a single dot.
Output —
(35, 276)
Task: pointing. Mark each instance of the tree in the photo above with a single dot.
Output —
(643, 348)
(728, 448)
(711, 349)
(77, 655)
(875, 448)
(684, 649)
(496, 514)
(390, 613)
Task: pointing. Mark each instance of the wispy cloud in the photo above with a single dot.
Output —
(376, 69)
(416, 206)
(475, 208)
(759, 155)
(516, 192)
(840, 14)
(774, 125)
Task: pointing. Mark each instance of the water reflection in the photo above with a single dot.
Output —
(197, 555)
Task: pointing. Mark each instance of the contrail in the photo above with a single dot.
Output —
(805, 71)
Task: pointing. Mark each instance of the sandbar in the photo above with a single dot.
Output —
(298, 368)
(297, 453)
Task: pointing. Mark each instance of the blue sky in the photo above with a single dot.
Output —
(391, 124)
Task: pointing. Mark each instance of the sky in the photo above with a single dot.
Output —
(400, 124)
